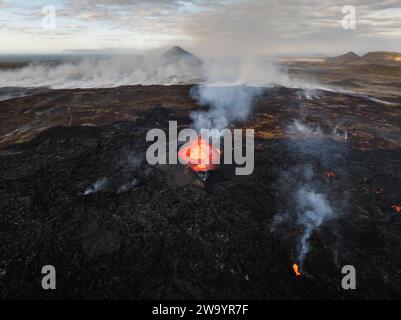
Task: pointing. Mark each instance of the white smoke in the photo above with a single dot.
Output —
(231, 85)
(226, 105)
(314, 210)
(311, 146)
(303, 130)
(104, 72)
(256, 71)
(128, 186)
(299, 129)
(98, 186)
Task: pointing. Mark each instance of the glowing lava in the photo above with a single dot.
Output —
(396, 208)
(330, 174)
(200, 155)
(296, 270)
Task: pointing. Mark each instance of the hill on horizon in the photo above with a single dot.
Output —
(343, 59)
(381, 57)
(374, 57)
(177, 54)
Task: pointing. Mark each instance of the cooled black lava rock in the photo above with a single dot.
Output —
(155, 232)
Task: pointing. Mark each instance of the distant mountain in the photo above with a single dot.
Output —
(377, 63)
(380, 57)
(343, 59)
(371, 58)
(177, 54)
(181, 66)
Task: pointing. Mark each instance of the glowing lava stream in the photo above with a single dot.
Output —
(330, 174)
(396, 208)
(200, 155)
(296, 270)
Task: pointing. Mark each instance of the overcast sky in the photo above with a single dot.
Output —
(205, 26)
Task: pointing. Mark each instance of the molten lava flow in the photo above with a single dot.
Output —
(200, 155)
(396, 208)
(330, 174)
(296, 270)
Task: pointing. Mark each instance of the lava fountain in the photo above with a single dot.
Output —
(295, 267)
(200, 155)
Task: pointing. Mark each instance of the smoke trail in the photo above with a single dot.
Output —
(227, 105)
(231, 85)
(311, 148)
(172, 67)
(99, 185)
(314, 210)
(299, 129)
(128, 186)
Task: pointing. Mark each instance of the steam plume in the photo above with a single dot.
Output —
(314, 210)
(105, 72)
(227, 105)
(311, 146)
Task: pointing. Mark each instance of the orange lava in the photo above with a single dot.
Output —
(396, 208)
(296, 270)
(330, 174)
(200, 155)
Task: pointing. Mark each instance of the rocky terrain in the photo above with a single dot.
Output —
(76, 192)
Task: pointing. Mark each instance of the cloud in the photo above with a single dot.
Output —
(302, 26)
(236, 26)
